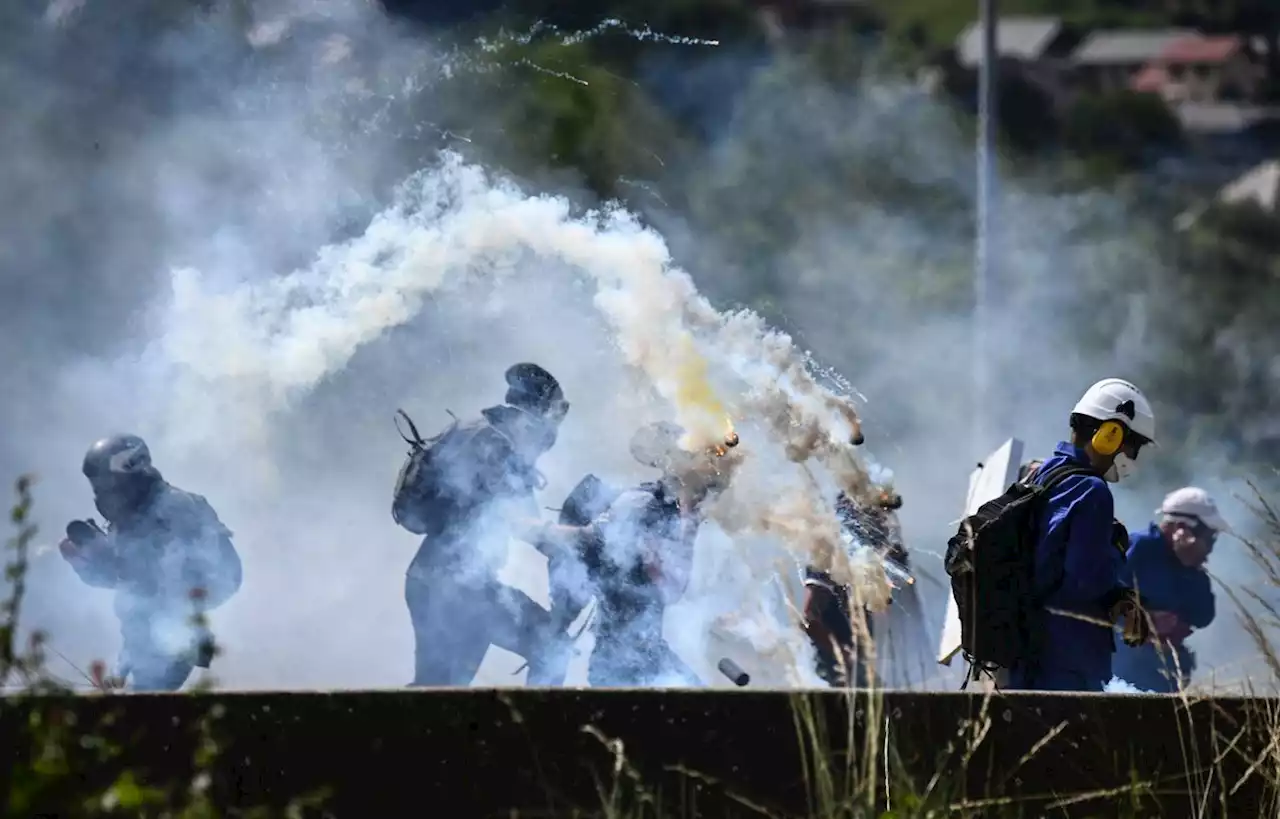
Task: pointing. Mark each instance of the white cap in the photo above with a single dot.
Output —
(1193, 502)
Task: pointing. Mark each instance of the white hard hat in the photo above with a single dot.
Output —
(1194, 502)
(1114, 399)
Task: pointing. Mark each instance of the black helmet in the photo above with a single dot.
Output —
(533, 389)
(116, 457)
(120, 471)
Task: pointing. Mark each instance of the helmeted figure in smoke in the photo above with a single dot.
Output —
(828, 617)
(164, 552)
(633, 550)
(468, 491)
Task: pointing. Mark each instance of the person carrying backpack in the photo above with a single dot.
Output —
(634, 549)
(1035, 572)
(467, 492)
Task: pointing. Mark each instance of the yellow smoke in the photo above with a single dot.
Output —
(701, 412)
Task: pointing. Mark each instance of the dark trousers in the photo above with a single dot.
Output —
(148, 668)
(1052, 679)
(622, 660)
(1149, 669)
(834, 614)
(454, 624)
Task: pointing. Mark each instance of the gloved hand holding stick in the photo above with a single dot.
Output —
(1128, 612)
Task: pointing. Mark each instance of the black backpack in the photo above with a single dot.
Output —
(422, 501)
(588, 500)
(991, 562)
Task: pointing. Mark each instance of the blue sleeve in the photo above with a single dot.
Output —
(1090, 561)
(1197, 604)
(1134, 558)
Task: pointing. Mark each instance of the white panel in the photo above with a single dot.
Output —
(987, 482)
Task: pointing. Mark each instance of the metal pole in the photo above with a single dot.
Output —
(983, 261)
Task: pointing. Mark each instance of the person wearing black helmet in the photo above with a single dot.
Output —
(635, 548)
(463, 491)
(827, 609)
(164, 552)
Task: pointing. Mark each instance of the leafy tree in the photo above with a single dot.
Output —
(1124, 126)
(1028, 119)
(553, 106)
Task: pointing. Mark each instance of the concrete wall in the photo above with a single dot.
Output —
(477, 753)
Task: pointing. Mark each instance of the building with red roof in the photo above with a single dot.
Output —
(1202, 68)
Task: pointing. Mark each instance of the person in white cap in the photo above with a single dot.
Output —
(1166, 566)
(1078, 551)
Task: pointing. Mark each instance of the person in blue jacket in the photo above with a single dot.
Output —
(1166, 565)
(1080, 548)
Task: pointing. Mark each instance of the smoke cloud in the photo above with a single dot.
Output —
(267, 385)
(871, 186)
(225, 238)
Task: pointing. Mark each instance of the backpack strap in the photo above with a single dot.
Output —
(417, 441)
(1051, 479)
(1058, 473)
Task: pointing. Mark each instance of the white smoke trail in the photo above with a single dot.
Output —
(236, 358)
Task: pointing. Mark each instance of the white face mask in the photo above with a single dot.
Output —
(1121, 468)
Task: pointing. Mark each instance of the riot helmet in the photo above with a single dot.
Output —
(120, 472)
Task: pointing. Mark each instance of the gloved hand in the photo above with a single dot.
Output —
(1119, 537)
(69, 549)
(1136, 628)
(81, 535)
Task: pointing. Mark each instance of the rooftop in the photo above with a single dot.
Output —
(1200, 49)
(1223, 117)
(1260, 185)
(1127, 46)
(1025, 38)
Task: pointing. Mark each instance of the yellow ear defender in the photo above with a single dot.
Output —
(1108, 439)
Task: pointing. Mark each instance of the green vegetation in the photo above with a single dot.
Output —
(1122, 128)
(939, 22)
